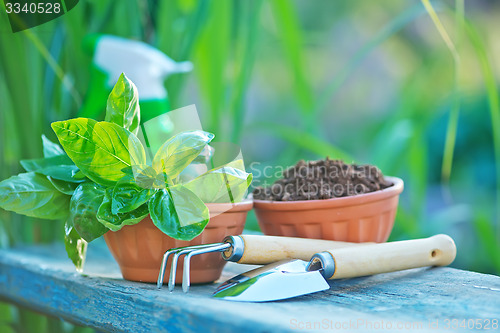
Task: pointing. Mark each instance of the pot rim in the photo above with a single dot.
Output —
(395, 189)
(241, 206)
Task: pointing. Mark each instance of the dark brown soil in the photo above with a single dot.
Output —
(323, 179)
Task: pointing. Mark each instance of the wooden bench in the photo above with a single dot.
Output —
(426, 299)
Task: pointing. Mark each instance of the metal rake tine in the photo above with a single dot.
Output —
(163, 267)
(164, 262)
(173, 272)
(178, 252)
(186, 279)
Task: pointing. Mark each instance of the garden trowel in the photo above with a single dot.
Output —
(291, 278)
(247, 249)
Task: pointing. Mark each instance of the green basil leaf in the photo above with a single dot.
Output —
(50, 148)
(62, 186)
(180, 214)
(79, 175)
(179, 151)
(117, 221)
(76, 247)
(128, 196)
(42, 163)
(59, 167)
(205, 155)
(62, 172)
(99, 149)
(123, 105)
(224, 184)
(145, 176)
(83, 207)
(33, 195)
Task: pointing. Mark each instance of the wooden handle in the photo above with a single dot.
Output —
(261, 250)
(437, 250)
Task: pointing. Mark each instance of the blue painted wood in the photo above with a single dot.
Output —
(413, 300)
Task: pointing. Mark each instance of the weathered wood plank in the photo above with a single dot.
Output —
(414, 300)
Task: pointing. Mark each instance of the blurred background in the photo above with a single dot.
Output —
(380, 82)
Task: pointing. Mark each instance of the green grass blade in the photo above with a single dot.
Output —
(182, 44)
(409, 15)
(494, 102)
(290, 33)
(248, 52)
(306, 141)
(441, 29)
(451, 135)
(54, 65)
(451, 132)
(486, 233)
(167, 36)
(212, 54)
(195, 24)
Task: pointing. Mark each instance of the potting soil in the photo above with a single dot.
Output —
(323, 179)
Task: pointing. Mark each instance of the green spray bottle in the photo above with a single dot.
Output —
(145, 65)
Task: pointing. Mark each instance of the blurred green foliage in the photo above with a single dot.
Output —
(288, 80)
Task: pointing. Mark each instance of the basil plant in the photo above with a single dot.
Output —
(102, 178)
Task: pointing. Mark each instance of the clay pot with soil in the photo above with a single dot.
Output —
(140, 260)
(328, 199)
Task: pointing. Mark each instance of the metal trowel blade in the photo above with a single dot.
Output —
(276, 281)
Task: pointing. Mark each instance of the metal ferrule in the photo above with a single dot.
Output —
(323, 262)
(235, 252)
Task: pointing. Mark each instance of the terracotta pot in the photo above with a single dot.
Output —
(139, 248)
(366, 217)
